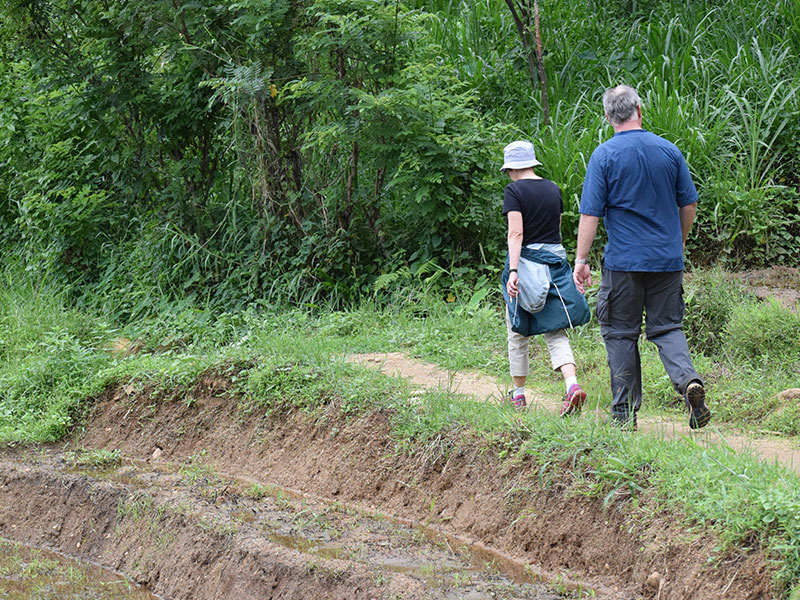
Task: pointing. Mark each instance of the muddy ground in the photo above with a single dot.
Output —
(781, 283)
(28, 573)
(207, 502)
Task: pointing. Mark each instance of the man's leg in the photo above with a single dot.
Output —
(664, 310)
(620, 301)
(664, 327)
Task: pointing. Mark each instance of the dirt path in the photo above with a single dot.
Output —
(429, 376)
(778, 282)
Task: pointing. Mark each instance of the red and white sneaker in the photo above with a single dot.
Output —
(573, 401)
(517, 401)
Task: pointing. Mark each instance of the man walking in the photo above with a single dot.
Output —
(640, 185)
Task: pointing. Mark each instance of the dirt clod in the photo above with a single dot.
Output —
(124, 347)
(654, 580)
(789, 394)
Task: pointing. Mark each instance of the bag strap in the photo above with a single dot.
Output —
(571, 326)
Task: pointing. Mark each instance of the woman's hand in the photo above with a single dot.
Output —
(512, 285)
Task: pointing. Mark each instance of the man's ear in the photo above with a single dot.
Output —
(608, 118)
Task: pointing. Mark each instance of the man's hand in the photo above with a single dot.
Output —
(512, 285)
(687, 214)
(582, 276)
(587, 228)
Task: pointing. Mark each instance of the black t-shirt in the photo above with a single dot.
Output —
(539, 201)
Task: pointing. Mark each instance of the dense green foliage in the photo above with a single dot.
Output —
(295, 150)
(280, 150)
(716, 78)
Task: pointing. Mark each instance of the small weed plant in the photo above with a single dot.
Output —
(97, 458)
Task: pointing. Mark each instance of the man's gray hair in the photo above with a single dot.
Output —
(620, 104)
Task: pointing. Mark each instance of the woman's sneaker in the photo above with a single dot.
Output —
(573, 400)
(699, 415)
(517, 401)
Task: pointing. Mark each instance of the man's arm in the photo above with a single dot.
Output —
(514, 250)
(587, 228)
(687, 214)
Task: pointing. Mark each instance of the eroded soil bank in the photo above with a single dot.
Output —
(201, 507)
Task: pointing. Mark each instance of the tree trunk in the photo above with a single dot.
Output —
(532, 45)
(540, 64)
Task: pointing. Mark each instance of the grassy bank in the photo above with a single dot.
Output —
(54, 357)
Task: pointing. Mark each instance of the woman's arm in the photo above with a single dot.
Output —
(514, 249)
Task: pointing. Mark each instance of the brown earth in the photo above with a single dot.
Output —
(191, 533)
(171, 522)
(213, 502)
(781, 283)
(155, 543)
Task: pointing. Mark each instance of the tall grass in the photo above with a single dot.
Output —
(719, 81)
(48, 354)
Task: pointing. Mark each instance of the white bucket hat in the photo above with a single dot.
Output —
(519, 155)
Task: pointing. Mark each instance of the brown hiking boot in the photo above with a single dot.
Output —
(699, 415)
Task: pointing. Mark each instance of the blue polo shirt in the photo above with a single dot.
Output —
(636, 181)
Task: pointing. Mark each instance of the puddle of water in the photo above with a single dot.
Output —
(245, 516)
(307, 546)
(434, 573)
(438, 571)
(483, 559)
(27, 573)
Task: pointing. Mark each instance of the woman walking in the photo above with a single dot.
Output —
(532, 206)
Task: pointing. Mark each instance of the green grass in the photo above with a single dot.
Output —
(94, 458)
(52, 357)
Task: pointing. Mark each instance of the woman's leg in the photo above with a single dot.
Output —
(518, 358)
(518, 362)
(563, 360)
(561, 355)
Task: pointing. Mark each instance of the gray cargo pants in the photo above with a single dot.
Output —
(620, 301)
